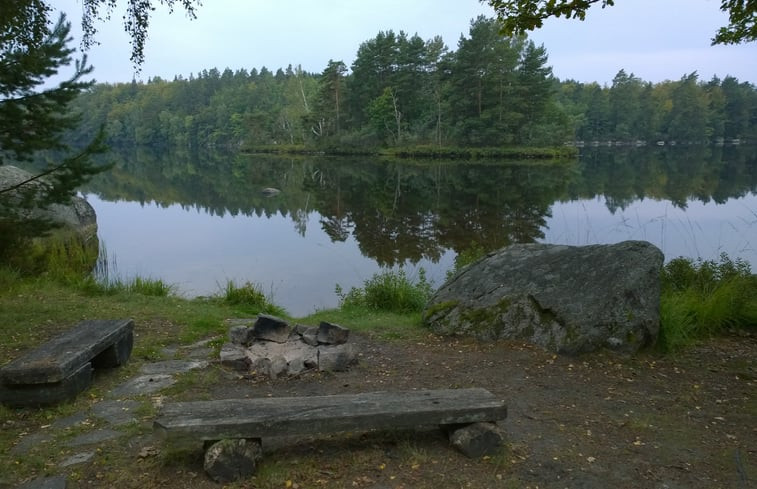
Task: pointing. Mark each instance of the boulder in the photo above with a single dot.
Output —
(235, 357)
(332, 334)
(241, 335)
(271, 328)
(308, 334)
(77, 216)
(478, 439)
(232, 459)
(567, 299)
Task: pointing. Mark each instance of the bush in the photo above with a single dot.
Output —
(703, 298)
(465, 257)
(389, 291)
(249, 298)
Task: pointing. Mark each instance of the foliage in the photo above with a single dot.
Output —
(465, 257)
(248, 297)
(492, 96)
(389, 291)
(703, 298)
(33, 118)
(519, 16)
(688, 111)
(402, 90)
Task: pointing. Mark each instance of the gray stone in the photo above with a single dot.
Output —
(336, 358)
(197, 353)
(54, 482)
(79, 458)
(277, 366)
(308, 334)
(93, 437)
(144, 384)
(116, 412)
(478, 439)
(172, 366)
(30, 441)
(271, 366)
(271, 328)
(235, 357)
(567, 299)
(276, 359)
(230, 460)
(241, 335)
(69, 421)
(332, 334)
(77, 216)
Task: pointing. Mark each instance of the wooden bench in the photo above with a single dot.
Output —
(59, 369)
(255, 419)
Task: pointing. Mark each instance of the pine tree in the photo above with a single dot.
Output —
(34, 118)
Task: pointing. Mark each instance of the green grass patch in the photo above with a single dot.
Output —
(377, 323)
(391, 291)
(248, 298)
(703, 298)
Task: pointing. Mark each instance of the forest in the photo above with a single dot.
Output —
(403, 91)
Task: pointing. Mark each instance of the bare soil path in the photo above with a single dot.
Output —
(596, 421)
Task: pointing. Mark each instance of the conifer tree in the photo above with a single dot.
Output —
(34, 117)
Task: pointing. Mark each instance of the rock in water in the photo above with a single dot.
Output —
(568, 299)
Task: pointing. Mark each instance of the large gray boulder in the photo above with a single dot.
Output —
(567, 299)
(78, 216)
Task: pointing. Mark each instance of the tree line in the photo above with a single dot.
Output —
(401, 210)
(402, 90)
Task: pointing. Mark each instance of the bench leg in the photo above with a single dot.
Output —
(230, 460)
(116, 354)
(35, 395)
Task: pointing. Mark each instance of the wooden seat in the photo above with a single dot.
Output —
(285, 416)
(62, 367)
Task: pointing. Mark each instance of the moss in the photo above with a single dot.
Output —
(441, 307)
(485, 322)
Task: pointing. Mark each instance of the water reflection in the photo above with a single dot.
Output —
(339, 220)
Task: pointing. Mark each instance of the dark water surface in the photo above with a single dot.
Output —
(198, 221)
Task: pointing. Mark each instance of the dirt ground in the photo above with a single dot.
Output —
(596, 421)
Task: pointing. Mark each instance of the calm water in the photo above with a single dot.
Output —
(197, 222)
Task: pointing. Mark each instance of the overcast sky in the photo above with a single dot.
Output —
(654, 39)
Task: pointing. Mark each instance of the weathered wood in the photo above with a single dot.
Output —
(64, 355)
(18, 396)
(272, 417)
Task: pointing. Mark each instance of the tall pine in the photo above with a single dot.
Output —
(35, 117)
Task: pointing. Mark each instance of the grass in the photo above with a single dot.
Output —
(249, 298)
(388, 291)
(700, 299)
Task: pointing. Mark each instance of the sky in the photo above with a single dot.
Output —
(656, 40)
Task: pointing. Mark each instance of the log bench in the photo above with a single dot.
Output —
(245, 422)
(59, 369)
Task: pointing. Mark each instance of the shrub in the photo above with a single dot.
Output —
(465, 257)
(389, 291)
(249, 298)
(703, 298)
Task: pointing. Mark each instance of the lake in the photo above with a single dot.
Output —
(197, 221)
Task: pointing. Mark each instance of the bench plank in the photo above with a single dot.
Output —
(272, 417)
(64, 355)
